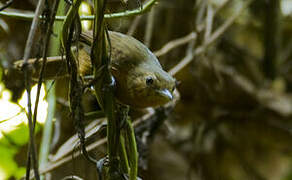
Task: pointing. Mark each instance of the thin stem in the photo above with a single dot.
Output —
(6, 5)
(212, 38)
(175, 43)
(47, 143)
(133, 153)
(32, 157)
(209, 22)
(146, 7)
(48, 129)
(47, 133)
(272, 39)
(149, 28)
(123, 154)
(134, 25)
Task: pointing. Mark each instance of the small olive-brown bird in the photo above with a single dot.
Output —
(140, 80)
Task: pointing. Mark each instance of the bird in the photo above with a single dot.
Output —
(139, 78)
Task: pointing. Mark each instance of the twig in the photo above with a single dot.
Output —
(131, 147)
(201, 49)
(200, 7)
(68, 158)
(67, 147)
(146, 7)
(32, 157)
(221, 6)
(209, 22)
(13, 116)
(175, 43)
(149, 28)
(143, 9)
(47, 133)
(193, 35)
(227, 24)
(134, 25)
(272, 38)
(7, 4)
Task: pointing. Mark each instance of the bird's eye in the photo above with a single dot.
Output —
(149, 81)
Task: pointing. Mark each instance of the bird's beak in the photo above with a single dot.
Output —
(166, 93)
